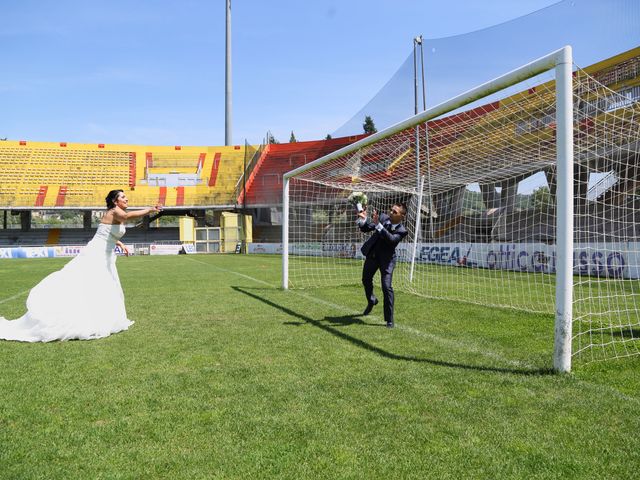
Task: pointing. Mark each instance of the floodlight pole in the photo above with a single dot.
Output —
(227, 83)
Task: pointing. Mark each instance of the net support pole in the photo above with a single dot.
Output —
(417, 156)
(285, 232)
(416, 41)
(416, 234)
(429, 193)
(564, 221)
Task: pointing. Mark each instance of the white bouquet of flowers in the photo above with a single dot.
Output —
(358, 199)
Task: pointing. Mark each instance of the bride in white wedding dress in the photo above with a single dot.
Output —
(84, 299)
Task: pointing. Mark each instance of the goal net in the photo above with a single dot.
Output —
(524, 200)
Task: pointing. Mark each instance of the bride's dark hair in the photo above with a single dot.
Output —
(111, 198)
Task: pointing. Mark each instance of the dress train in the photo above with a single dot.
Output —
(83, 300)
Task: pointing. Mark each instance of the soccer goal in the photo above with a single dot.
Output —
(525, 200)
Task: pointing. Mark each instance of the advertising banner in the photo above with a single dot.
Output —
(275, 248)
(165, 249)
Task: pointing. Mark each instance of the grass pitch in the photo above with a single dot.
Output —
(225, 375)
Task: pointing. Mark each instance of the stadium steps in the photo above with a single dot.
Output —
(54, 236)
(264, 186)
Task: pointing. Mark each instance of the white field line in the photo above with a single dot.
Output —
(17, 295)
(463, 346)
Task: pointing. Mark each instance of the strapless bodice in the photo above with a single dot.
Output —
(110, 233)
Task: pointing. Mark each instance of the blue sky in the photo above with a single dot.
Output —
(152, 71)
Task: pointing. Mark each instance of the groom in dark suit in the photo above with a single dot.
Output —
(380, 254)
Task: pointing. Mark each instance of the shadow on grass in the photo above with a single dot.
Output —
(342, 321)
(346, 320)
(350, 319)
(627, 333)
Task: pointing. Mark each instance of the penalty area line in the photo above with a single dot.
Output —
(257, 280)
(463, 347)
(320, 301)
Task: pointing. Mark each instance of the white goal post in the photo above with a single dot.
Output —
(470, 218)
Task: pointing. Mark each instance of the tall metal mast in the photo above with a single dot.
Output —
(227, 87)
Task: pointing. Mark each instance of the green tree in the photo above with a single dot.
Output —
(542, 198)
(368, 125)
(271, 138)
(329, 137)
(472, 203)
(292, 138)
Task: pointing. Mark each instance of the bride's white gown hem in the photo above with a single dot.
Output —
(83, 300)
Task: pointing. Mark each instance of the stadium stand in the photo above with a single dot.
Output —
(264, 184)
(43, 175)
(261, 193)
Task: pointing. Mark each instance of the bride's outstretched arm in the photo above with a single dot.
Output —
(122, 215)
(143, 212)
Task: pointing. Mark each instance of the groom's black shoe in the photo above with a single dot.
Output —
(370, 306)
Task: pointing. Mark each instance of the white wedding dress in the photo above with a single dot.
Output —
(83, 300)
